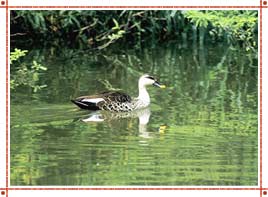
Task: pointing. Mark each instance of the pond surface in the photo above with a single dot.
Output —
(201, 130)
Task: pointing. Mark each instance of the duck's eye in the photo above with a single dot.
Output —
(149, 77)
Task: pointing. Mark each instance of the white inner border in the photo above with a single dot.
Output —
(2, 89)
(3, 99)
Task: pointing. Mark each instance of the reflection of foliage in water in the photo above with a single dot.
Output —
(25, 75)
(209, 107)
(196, 153)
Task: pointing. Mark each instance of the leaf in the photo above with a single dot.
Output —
(116, 24)
(173, 13)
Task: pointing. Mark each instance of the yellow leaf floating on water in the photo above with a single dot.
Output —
(162, 129)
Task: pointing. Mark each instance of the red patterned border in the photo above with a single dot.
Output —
(7, 188)
(135, 188)
(261, 184)
(7, 98)
(136, 7)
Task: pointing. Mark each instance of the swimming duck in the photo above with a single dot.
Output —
(118, 101)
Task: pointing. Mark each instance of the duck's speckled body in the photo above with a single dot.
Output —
(119, 101)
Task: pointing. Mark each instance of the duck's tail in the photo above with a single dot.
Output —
(85, 105)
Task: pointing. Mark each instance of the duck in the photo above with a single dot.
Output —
(117, 101)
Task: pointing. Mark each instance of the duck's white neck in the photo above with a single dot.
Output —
(143, 94)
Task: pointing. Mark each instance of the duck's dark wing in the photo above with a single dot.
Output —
(113, 96)
(103, 100)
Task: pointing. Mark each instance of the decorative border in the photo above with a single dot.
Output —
(4, 191)
(138, 7)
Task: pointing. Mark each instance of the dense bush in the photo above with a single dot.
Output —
(98, 29)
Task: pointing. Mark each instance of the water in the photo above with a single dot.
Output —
(201, 130)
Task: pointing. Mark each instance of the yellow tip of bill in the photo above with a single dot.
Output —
(162, 86)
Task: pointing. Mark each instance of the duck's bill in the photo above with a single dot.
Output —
(157, 84)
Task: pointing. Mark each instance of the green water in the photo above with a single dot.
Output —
(202, 129)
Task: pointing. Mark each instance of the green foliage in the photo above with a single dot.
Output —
(236, 26)
(25, 75)
(115, 34)
(199, 18)
(15, 55)
(98, 29)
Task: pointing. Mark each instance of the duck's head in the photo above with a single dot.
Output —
(146, 80)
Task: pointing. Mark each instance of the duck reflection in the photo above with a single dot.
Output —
(106, 116)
